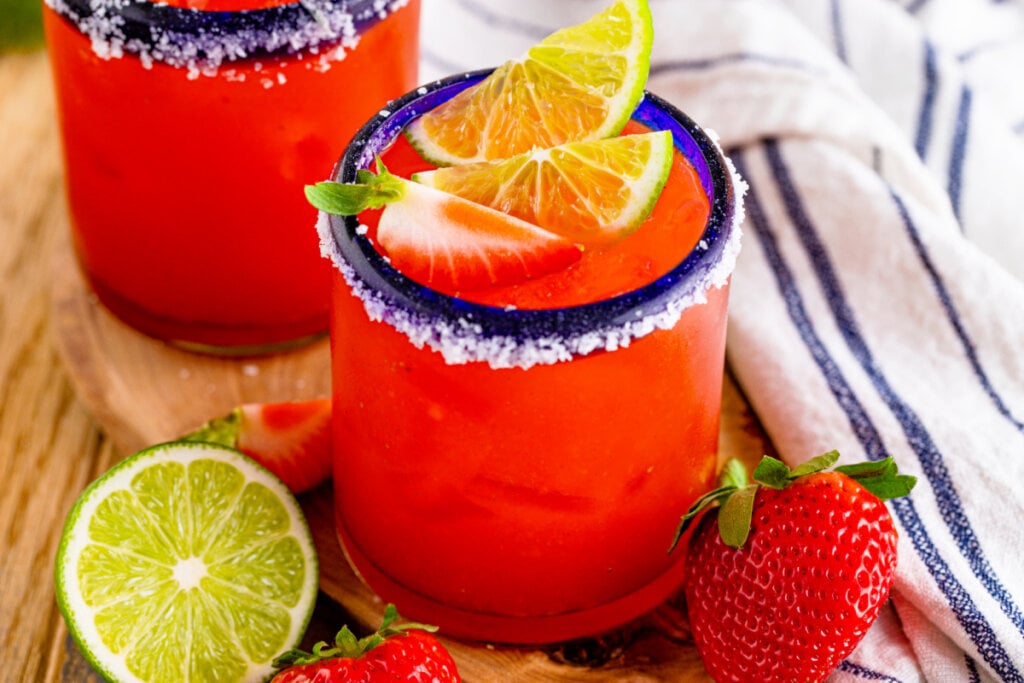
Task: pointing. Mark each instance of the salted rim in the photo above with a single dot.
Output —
(204, 40)
(463, 331)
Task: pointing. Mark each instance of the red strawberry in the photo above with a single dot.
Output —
(402, 652)
(445, 241)
(291, 439)
(783, 583)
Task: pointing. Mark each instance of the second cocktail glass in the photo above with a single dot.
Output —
(189, 130)
(517, 475)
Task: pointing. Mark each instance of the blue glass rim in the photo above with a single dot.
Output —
(421, 301)
(142, 23)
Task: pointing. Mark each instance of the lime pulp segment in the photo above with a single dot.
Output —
(186, 562)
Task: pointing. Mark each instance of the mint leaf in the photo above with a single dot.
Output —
(349, 199)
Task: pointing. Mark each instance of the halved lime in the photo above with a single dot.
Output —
(580, 83)
(589, 192)
(186, 562)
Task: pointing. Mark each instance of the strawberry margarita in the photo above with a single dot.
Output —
(511, 463)
(189, 130)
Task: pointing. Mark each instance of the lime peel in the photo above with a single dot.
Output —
(127, 623)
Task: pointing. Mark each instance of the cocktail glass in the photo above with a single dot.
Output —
(518, 475)
(188, 135)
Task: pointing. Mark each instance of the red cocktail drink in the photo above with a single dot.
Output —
(188, 136)
(513, 468)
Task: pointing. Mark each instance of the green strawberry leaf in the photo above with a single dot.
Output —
(735, 497)
(221, 430)
(881, 478)
(734, 516)
(733, 474)
(772, 473)
(347, 645)
(732, 478)
(818, 464)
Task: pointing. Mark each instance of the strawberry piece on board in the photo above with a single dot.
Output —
(784, 581)
(292, 439)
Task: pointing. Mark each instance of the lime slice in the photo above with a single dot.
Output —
(186, 562)
(589, 192)
(579, 83)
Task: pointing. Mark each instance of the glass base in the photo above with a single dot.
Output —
(515, 630)
(212, 338)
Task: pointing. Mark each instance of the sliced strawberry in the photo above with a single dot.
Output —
(291, 439)
(452, 244)
(445, 241)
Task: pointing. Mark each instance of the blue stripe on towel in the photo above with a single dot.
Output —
(958, 152)
(838, 35)
(967, 613)
(917, 435)
(915, 6)
(972, 670)
(924, 120)
(951, 312)
(846, 666)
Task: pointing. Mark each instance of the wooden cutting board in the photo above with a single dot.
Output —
(143, 391)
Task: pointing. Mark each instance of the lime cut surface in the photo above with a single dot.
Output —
(589, 192)
(186, 562)
(580, 83)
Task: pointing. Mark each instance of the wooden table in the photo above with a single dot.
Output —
(77, 394)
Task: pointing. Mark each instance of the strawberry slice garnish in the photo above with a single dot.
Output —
(291, 439)
(444, 241)
(396, 652)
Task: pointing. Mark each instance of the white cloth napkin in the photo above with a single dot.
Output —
(878, 303)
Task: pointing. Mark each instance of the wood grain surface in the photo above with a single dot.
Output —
(79, 390)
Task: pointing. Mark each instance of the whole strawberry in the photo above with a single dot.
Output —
(396, 652)
(783, 583)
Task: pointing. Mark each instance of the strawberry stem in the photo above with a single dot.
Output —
(735, 497)
(348, 199)
(222, 430)
(347, 645)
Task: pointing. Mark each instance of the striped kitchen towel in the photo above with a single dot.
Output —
(878, 304)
